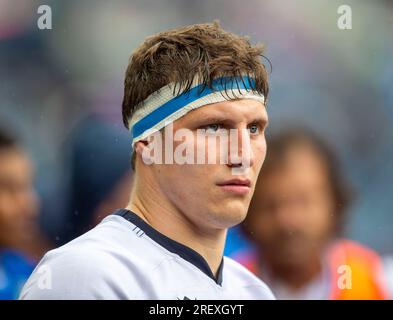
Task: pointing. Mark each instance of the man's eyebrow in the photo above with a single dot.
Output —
(260, 119)
(214, 119)
(217, 119)
(225, 120)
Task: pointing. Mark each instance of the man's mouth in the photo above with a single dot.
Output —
(236, 186)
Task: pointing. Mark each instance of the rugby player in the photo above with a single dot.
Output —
(168, 242)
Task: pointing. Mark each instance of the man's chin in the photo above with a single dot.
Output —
(231, 218)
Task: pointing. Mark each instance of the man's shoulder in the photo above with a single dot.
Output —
(100, 263)
(241, 276)
(113, 237)
(115, 242)
(100, 243)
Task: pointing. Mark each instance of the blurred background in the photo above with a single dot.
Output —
(61, 93)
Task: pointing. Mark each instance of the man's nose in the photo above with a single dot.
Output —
(240, 152)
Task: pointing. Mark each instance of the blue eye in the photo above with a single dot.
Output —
(253, 129)
(214, 127)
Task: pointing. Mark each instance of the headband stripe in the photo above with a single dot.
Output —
(149, 123)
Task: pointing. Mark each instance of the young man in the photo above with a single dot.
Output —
(184, 88)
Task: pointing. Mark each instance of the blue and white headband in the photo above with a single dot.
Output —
(164, 107)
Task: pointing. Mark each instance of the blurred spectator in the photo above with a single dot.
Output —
(20, 240)
(294, 221)
(101, 179)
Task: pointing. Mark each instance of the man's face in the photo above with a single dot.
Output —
(18, 201)
(205, 192)
(291, 213)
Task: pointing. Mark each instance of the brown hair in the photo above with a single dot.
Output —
(179, 55)
(7, 141)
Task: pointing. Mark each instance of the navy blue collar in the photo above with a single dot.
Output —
(171, 245)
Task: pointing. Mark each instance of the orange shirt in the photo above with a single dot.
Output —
(365, 271)
(356, 271)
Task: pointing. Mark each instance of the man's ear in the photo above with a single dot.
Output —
(150, 149)
(140, 146)
(142, 150)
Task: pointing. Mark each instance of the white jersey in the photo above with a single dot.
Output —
(125, 258)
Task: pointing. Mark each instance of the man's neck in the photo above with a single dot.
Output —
(158, 212)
